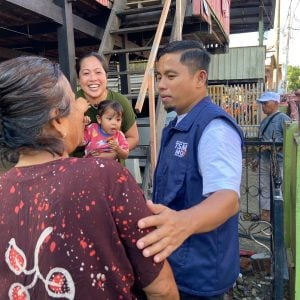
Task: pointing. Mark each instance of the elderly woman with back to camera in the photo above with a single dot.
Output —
(92, 77)
(68, 226)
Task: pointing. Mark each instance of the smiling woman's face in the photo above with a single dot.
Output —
(92, 79)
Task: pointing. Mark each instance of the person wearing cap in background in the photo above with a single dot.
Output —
(271, 127)
(297, 94)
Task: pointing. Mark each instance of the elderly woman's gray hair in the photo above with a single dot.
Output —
(30, 90)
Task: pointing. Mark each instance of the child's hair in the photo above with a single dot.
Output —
(106, 104)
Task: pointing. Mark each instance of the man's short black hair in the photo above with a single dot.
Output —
(193, 54)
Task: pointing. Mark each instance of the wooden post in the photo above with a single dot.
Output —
(152, 56)
(152, 118)
(66, 44)
(178, 26)
(261, 24)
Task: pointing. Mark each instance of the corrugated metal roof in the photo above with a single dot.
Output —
(238, 63)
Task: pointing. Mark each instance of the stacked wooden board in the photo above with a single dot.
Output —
(142, 3)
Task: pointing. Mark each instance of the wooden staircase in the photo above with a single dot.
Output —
(134, 32)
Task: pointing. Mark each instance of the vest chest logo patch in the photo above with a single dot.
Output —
(180, 149)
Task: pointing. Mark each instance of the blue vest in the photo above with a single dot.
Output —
(206, 264)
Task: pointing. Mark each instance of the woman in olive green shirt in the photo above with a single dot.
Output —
(92, 74)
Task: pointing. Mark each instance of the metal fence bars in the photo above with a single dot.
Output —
(239, 101)
(267, 234)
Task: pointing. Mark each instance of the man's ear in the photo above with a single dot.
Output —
(201, 76)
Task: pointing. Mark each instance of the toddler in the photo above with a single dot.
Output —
(104, 138)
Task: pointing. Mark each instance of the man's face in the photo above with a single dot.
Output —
(269, 107)
(179, 88)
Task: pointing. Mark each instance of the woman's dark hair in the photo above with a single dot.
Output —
(92, 54)
(106, 104)
(31, 91)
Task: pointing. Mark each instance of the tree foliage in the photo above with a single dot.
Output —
(293, 78)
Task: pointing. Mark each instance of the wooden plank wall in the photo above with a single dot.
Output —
(239, 101)
(240, 63)
(142, 3)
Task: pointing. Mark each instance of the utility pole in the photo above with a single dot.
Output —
(288, 46)
(277, 37)
(261, 23)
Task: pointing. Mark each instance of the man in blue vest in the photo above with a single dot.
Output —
(196, 181)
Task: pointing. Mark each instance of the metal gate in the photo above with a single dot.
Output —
(239, 101)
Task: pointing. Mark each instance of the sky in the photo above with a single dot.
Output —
(293, 55)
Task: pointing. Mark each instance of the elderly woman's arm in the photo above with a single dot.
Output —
(132, 136)
(163, 287)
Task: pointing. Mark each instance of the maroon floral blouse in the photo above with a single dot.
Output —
(68, 230)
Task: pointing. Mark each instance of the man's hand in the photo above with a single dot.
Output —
(170, 233)
(174, 227)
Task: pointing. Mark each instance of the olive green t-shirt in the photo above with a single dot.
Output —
(128, 114)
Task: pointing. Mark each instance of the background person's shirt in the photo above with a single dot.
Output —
(275, 129)
(276, 126)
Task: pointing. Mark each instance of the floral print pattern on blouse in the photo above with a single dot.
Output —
(68, 231)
